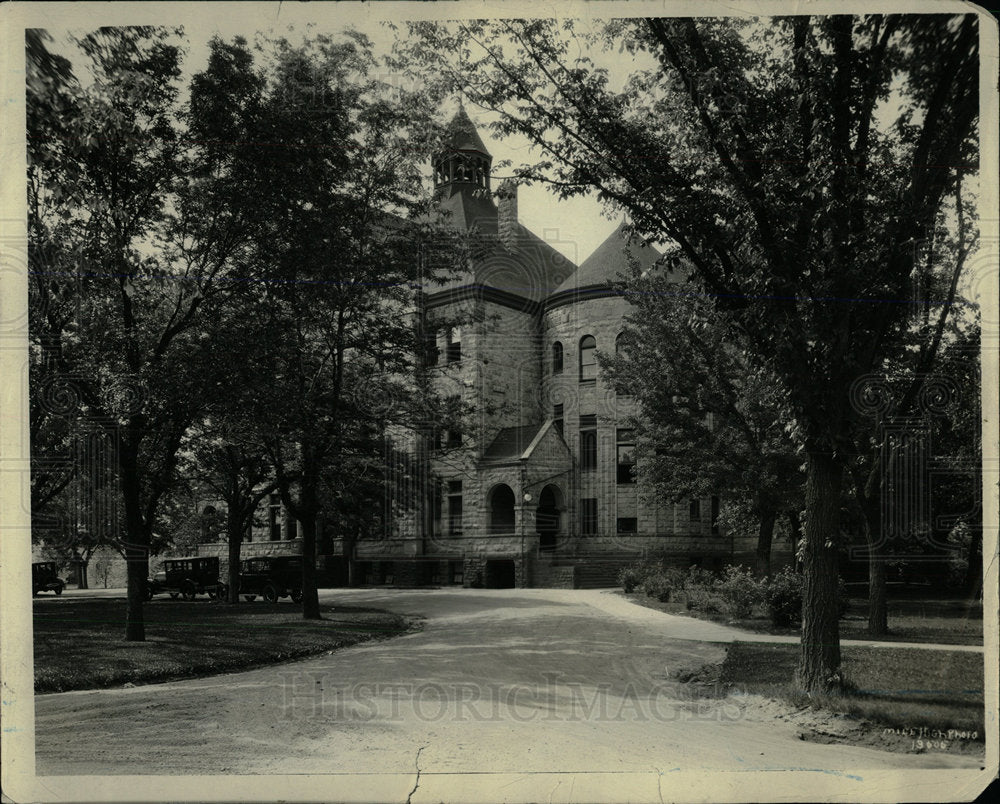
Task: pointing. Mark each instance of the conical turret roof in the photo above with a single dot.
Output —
(461, 133)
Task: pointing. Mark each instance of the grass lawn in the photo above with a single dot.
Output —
(901, 688)
(79, 643)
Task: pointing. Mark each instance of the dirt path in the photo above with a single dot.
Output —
(509, 682)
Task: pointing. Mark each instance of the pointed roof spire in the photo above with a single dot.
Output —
(461, 133)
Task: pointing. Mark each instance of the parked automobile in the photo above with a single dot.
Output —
(187, 577)
(45, 579)
(271, 577)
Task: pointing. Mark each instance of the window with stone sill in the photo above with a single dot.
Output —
(557, 358)
(588, 359)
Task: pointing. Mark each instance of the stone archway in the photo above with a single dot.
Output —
(548, 517)
(501, 507)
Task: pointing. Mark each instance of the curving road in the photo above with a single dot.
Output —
(506, 681)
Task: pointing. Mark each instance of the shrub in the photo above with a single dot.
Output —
(740, 591)
(658, 585)
(704, 599)
(698, 578)
(784, 598)
(630, 577)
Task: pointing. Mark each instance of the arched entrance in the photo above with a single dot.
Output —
(501, 505)
(548, 517)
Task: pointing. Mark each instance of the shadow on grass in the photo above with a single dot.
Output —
(893, 687)
(79, 644)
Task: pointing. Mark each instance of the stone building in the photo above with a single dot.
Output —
(541, 489)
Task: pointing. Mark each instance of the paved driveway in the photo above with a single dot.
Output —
(504, 681)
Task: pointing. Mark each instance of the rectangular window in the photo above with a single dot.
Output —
(274, 518)
(694, 511)
(628, 524)
(626, 456)
(455, 507)
(588, 450)
(293, 527)
(588, 516)
(437, 509)
(588, 443)
(557, 417)
(454, 345)
(588, 359)
(454, 439)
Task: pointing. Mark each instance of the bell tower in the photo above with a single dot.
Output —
(463, 165)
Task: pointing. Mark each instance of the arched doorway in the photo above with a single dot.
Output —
(548, 517)
(501, 504)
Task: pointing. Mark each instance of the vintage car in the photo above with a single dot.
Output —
(271, 577)
(45, 579)
(187, 576)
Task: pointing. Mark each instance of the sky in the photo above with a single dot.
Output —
(574, 227)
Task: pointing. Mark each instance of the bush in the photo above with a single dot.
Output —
(698, 578)
(658, 585)
(783, 594)
(740, 592)
(630, 577)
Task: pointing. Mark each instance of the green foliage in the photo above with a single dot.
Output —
(740, 590)
(760, 150)
(630, 577)
(784, 598)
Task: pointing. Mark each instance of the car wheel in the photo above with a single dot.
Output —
(249, 598)
(221, 591)
(58, 590)
(297, 596)
(175, 595)
(149, 593)
(188, 590)
(271, 593)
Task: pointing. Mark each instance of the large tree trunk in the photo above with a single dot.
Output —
(765, 535)
(878, 603)
(308, 508)
(310, 594)
(82, 582)
(135, 543)
(819, 662)
(234, 531)
(347, 545)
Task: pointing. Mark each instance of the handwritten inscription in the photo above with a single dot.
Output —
(927, 739)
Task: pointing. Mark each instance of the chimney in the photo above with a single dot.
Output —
(507, 213)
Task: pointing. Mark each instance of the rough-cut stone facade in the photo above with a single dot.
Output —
(567, 519)
(516, 501)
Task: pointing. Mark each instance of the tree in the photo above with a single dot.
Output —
(709, 423)
(333, 181)
(793, 161)
(227, 460)
(125, 234)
